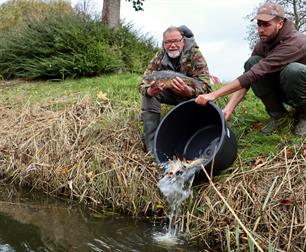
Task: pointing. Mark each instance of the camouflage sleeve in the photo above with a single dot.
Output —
(199, 70)
(154, 65)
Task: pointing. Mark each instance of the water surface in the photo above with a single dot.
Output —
(37, 223)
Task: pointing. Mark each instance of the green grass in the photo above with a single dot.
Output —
(122, 90)
(246, 123)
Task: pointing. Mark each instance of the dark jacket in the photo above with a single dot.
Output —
(289, 46)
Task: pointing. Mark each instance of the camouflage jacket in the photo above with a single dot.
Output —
(191, 63)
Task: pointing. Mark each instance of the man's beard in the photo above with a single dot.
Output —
(174, 54)
(271, 37)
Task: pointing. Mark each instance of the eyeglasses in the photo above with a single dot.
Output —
(175, 41)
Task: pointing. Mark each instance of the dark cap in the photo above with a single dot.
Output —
(268, 11)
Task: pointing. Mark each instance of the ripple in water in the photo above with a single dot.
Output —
(168, 239)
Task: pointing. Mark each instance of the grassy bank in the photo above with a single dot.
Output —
(82, 139)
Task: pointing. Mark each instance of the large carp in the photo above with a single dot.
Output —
(166, 77)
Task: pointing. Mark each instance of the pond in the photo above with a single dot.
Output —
(34, 222)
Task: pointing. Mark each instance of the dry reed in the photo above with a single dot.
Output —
(266, 203)
(86, 151)
(93, 153)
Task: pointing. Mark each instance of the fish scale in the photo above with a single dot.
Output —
(166, 77)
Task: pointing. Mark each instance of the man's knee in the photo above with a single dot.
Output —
(259, 88)
(293, 72)
(251, 62)
(150, 104)
(293, 83)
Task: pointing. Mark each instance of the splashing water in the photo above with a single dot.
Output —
(176, 185)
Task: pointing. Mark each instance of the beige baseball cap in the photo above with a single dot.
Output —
(268, 11)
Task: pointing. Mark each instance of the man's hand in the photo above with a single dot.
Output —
(227, 113)
(235, 98)
(180, 88)
(204, 98)
(154, 89)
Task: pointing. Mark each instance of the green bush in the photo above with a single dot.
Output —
(67, 45)
(14, 14)
(136, 55)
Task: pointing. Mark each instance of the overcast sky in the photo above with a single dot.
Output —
(219, 26)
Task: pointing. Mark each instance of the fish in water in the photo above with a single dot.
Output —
(177, 166)
(166, 77)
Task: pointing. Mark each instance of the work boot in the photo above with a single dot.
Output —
(276, 110)
(300, 128)
(150, 124)
(272, 124)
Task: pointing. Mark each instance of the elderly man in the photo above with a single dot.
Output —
(181, 54)
(276, 70)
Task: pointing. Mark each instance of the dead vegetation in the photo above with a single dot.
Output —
(261, 206)
(90, 152)
(86, 151)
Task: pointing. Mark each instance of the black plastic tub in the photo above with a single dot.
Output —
(190, 131)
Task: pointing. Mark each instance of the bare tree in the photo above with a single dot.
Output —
(111, 11)
(295, 10)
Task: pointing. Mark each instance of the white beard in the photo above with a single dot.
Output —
(174, 54)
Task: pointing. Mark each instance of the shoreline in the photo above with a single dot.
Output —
(92, 151)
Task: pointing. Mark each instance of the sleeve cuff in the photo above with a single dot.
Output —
(146, 92)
